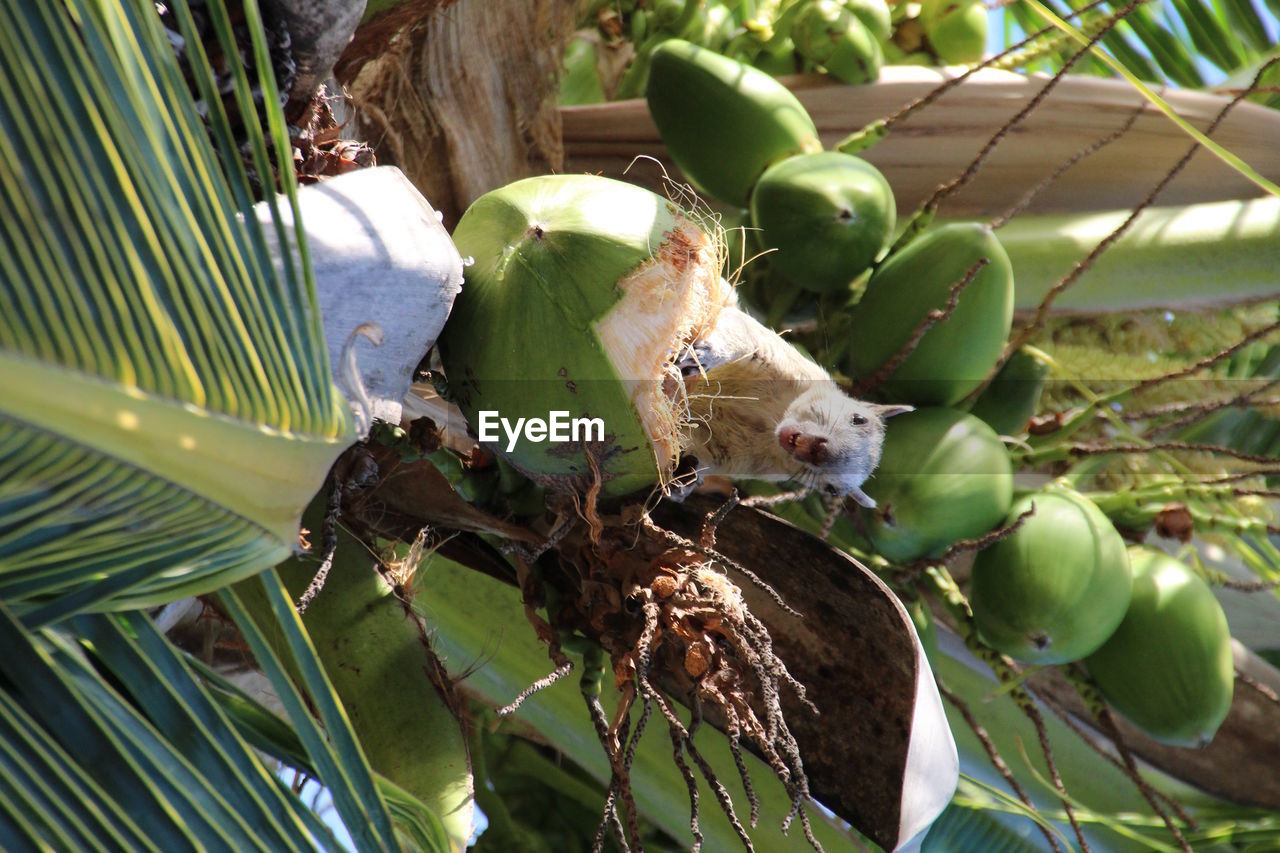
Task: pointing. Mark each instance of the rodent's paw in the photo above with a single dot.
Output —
(735, 336)
(846, 490)
(862, 498)
(687, 477)
(699, 357)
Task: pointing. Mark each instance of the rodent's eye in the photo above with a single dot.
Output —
(858, 420)
(831, 490)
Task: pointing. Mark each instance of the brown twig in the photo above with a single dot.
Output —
(936, 93)
(1242, 475)
(1042, 310)
(913, 571)
(558, 673)
(1209, 361)
(1130, 771)
(1249, 586)
(645, 647)
(1049, 180)
(1042, 734)
(713, 519)
(717, 787)
(1033, 104)
(333, 509)
(1201, 408)
(1184, 446)
(1112, 732)
(993, 755)
(619, 782)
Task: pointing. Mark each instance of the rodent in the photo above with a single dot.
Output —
(761, 410)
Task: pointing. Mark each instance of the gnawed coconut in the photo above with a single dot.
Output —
(582, 293)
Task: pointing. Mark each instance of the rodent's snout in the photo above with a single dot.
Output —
(806, 448)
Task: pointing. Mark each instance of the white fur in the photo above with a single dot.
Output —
(746, 384)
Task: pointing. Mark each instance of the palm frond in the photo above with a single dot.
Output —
(329, 741)
(162, 769)
(962, 828)
(1187, 43)
(166, 407)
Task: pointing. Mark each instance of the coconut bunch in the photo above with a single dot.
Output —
(581, 294)
(610, 56)
(924, 317)
(584, 295)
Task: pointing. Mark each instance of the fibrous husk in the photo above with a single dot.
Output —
(461, 96)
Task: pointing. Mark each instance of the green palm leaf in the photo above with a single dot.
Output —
(1188, 43)
(88, 767)
(166, 408)
(959, 828)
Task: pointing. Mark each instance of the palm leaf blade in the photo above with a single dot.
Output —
(143, 329)
(1245, 21)
(185, 715)
(65, 779)
(339, 762)
(65, 712)
(159, 766)
(1209, 36)
(57, 824)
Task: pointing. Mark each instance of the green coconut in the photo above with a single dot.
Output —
(581, 293)
(831, 35)
(723, 122)
(777, 59)
(1055, 589)
(954, 355)
(874, 14)
(580, 81)
(827, 215)
(943, 476)
(1008, 403)
(1168, 667)
(956, 29)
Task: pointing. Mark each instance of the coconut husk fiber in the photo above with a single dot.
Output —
(460, 95)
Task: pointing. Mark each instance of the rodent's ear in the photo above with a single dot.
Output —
(890, 411)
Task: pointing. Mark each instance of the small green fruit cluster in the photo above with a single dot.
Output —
(933, 32)
(847, 40)
(741, 137)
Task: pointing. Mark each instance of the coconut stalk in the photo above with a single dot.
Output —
(449, 594)
(934, 144)
(379, 658)
(446, 592)
(881, 686)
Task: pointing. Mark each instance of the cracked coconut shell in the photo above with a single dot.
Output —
(582, 292)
